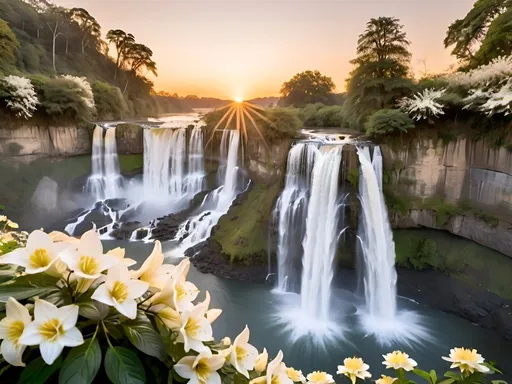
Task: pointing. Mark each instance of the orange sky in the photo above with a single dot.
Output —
(248, 48)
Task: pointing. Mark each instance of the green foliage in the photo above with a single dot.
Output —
(353, 177)
(8, 42)
(63, 98)
(123, 366)
(306, 88)
(319, 115)
(419, 254)
(388, 121)
(82, 363)
(110, 104)
(38, 372)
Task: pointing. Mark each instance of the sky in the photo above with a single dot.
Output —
(248, 48)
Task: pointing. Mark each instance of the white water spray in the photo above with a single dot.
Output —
(194, 180)
(112, 175)
(95, 185)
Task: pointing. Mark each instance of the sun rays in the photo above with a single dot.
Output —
(240, 111)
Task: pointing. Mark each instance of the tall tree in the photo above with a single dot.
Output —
(139, 57)
(306, 88)
(466, 35)
(89, 27)
(122, 41)
(381, 73)
(55, 17)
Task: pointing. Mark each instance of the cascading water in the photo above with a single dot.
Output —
(113, 178)
(378, 248)
(291, 209)
(321, 235)
(95, 185)
(216, 203)
(194, 181)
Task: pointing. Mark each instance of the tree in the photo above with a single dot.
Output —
(306, 88)
(55, 17)
(381, 73)
(139, 58)
(497, 41)
(122, 41)
(8, 41)
(89, 27)
(466, 35)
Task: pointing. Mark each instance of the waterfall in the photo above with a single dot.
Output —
(378, 248)
(217, 202)
(95, 185)
(321, 235)
(291, 210)
(113, 178)
(195, 177)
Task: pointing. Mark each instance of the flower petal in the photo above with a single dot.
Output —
(19, 257)
(44, 311)
(102, 294)
(90, 244)
(214, 378)
(71, 338)
(127, 308)
(136, 288)
(38, 239)
(16, 311)
(12, 353)
(184, 367)
(31, 335)
(68, 316)
(50, 351)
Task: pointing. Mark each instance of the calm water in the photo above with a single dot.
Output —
(255, 305)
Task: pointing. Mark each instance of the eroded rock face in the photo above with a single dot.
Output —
(129, 139)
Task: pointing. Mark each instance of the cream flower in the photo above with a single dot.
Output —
(3, 218)
(397, 360)
(318, 377)
(39, 254)
(276, 373)
(184, 291)
(120, 292)
(12, 224)
(195, 329)
(211, 314)
(171, 318)
(200, 369)
(353, 368)
(295, 375)
(386, 380)
(261, 361)
(87, 260)
(57, 236)
(52, 329)
(11, 329)
(151, 270)
(120, 253)
(466, 360)
(243, 355)
(226, 341)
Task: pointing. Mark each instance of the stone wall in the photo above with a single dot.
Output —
(267, 163)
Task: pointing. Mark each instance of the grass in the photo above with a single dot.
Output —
(243, 231)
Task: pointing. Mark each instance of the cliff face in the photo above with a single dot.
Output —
(463, 172)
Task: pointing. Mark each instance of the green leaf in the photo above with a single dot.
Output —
(169, 378)
(37, 371)
(123, 366)
(82, 364)
(59, 298)
(27, 286)
(433, 375)
(144, 337)
(492, 368)
(452, 375)
(498, 382)
(447, 381)
(421, 373)
(93, 310)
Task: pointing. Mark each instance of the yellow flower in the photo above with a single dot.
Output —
(11, 329)
(151, 270)
(295, 375)
(243, 355)
(276, 373)
(201, 368)
(195, 329)
(353, 368)
(466, 360)
(397, 360)
(12, 224)
(386, 380)
(261, 361)
(3, 218)
(319, 377)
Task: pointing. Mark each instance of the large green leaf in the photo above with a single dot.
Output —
(123, 366)
(144, 337)
(93, 310)
(37, 371)
(82, 364)
(27, 286)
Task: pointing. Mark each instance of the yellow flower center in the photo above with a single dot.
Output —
(318, 376)
(51, 330)
(294, 375)
(462, 354)
(119, 292)
(241, 353)
(180, 291)
(203, 370)
(39, 258)
(353, 364)
(15, 330)
(88, 265)
(386, 380)
(191, 327)
(398, 357)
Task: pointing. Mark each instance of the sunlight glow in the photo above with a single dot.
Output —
(239, 100)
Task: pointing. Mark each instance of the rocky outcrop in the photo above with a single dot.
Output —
(267, 163)
(129, 139)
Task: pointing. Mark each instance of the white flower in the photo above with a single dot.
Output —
(11, 329)
(423, 104)
(120, 253)
(498, 69)
(261, 361)
(319, 377)
(38, 256)
(200, 369)
(151, 270)
(386, 380)
(276, 372)
(353, 368)
(120, 292)
(226, 341)
(12, 224)
(22, 98)
(85, 89)
(243, 355)
(211, 314)
(296, 376)
(3, 218)
(52, 329)
(88, 260)
(397, 360)
(171, 318)
(466, 360)
(195, 329)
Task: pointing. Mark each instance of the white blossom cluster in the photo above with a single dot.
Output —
(423, 104)
(491, 101)
(85, 87)
(21, 96)
(497, 71)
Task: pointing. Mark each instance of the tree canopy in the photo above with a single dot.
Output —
(8, 42)
(381, 73)
(307, 87)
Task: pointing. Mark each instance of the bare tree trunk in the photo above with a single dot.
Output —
(67, 44)
(55, 35)
(126, 86)
(83, 45)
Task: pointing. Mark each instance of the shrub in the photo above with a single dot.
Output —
(19, 95)
(285, 123)
(331, 116)
(64, 97)
(388, 121)
(109, 101)
(308, 113)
